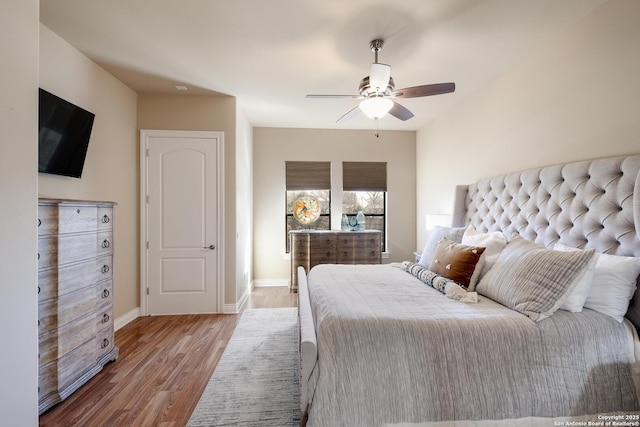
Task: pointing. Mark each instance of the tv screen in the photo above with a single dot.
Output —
(63, 137)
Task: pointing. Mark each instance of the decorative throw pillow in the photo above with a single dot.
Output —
(457, 262)
(451, 233)
(447, 286)
(613, 284)
(532, 279)
(494, 242)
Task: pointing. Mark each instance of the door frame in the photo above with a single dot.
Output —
(145, 134)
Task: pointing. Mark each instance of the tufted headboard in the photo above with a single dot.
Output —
(587, 204)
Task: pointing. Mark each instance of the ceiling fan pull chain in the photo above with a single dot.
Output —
(377, 133)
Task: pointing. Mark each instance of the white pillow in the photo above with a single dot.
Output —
(613, 285)
(451, 233)
(576, 299)
(494, 243)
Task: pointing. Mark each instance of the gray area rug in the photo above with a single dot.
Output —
(256, 382)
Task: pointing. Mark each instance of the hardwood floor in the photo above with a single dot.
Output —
(164, 365)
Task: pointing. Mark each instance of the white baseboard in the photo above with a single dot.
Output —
(265, 283)
(235, 308)
(126, 318)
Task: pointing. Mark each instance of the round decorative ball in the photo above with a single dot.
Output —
(306, 210)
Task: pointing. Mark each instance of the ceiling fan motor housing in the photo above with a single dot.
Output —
(366, 90)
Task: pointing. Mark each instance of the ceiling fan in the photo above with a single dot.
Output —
(377, 90)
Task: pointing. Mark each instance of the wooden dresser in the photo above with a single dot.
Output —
(312, 247)
(75, 295)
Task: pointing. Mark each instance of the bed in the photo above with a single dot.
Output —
(390, 344)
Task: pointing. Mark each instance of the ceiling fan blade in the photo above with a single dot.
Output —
(400, 112)
(424, 90)
(348, 115)
(379, 76)
(333, 96)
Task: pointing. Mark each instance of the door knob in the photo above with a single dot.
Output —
(210, 247)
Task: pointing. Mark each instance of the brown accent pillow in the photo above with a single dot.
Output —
(456, 261)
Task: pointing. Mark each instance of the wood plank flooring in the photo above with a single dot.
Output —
(164, 365)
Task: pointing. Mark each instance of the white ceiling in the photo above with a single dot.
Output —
(271, 53)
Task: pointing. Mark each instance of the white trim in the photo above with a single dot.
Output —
(267, 283)
(126, 319)
(237, 307)
(144, 135)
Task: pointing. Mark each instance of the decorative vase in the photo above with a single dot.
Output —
(361, 220)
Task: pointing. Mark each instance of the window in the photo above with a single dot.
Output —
(364, 186)
(308, 179)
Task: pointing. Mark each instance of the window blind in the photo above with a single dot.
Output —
(308, 176)
(364, 176)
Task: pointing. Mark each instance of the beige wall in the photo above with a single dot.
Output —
(576, 97)
(111, 167)
(272, 147)
(18, 192)
(203, 113)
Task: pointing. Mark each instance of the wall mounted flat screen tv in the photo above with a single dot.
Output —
(63, 136)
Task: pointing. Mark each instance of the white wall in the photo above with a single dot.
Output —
(576, 97)
(244, 205)
(273, 147)
(111, 167)
(18, 192)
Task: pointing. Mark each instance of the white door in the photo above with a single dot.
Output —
(181, 221)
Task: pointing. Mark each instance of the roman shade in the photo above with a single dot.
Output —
(364, 176)
(308, 176)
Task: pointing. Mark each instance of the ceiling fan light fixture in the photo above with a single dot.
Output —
(376, 107)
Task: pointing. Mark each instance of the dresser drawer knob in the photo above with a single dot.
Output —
(105, 269)
(328, 254)
(38, 255)
(105, 318)
(106, 293)
(39, 222)
(105, 219)
(38, 289)
(105, 343)
(373, 253)
(78, 211)
(345, 253)
(105, 244)
(38, 322)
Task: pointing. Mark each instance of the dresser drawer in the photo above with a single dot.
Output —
(47, 220)
(369, 256)
(75, 219)
(322, 249)
(104, 268)
(56, 343)
(104, 243)
(104, 293)
(77, 247)
(104, 318)
(104, 342)
(56, 283)
(105, 217)
(47, 379)
(76, 363)
(47, 252)
(53, 313)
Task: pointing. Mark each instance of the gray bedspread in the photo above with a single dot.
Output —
(391, 350)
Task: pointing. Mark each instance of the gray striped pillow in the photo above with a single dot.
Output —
(532, 279)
